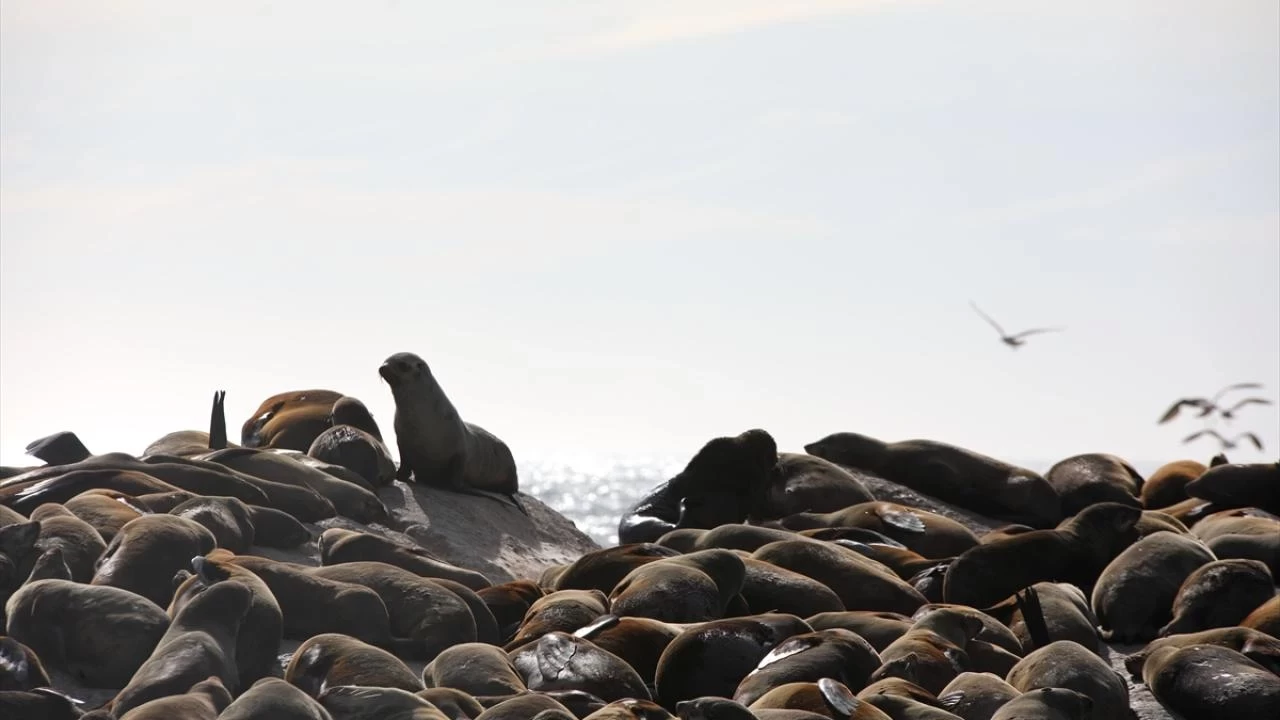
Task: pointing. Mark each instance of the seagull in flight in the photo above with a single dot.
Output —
(1226, 444)
(1016, 339)
(1208, 405)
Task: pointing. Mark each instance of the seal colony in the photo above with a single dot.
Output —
(858, 579)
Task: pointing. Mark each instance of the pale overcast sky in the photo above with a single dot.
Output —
(632, 226)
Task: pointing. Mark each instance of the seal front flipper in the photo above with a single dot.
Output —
(60, 448)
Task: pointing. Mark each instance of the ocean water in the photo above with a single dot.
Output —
(594, 491)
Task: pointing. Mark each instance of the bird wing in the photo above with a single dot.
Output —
(1249, 401)
(1199, 433)
(1174, 409)
(1253, 439)
(1237, 386)
(1037, 331)
(987, 317)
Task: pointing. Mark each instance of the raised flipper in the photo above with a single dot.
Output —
(60, 448)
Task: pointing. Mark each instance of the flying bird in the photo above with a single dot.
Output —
(1016, 339)
(1208, 405)
(1226, 444)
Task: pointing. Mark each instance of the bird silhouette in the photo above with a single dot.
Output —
(1226, 444)
(1208, 405)
(1016, 339)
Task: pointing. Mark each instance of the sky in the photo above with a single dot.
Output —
(629, 227)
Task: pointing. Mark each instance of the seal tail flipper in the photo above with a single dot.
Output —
(218, 422)
(1033, 616)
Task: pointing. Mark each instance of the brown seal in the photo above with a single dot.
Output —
(338, 545)
(80, 544)
(769, 588)
(1133, 595)
(420, 608)
(825, 698)
(437, 447)
(806, 483)
(106, 510)
(454, 704)
(927, 533)
(1049, 703)
(631, 709)
(681, 539)
(1076, 552)
(356, 450)
(203, 701)
(1065, 664)
(932, 652)
(689, 588)
(808, 657)
(638, 641)
(1066, 613)
(148, 551)
(61, 621)
(859, 581)
(990, 630)
(228, 519)
(476, 668)
(565, 610)
(719, 485)
(509, 602)
(289, 420)
(20, 666)
(275, 699)
(878, 628)
(41, 703)
(949, 473)
(735, 536)
(603, 569)
(1256, 645)
(1082, 480)
(1219, 594)
(712, 658)
(980, 695)
(346, 498)
(355, 702)
(261, 630)
(1246, 533)
(1240, 485)
(1168, 484)
(1265, 617)
(560, 661)
(200, 642)
(332, 659)
(1210, 681)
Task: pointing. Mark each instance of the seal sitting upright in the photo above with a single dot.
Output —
(436, 446)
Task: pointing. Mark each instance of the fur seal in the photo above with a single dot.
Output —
(200, 642)
(18, 555)
(603, 569)
(437, 447)
(332, 659)
(227, 518)
(681, 539)
(39, 704)
(261, 629)
(203, 701)
(927, 533)
(1134, 594)
(930, 654)
(974, 695)
(858, 581)
(1240, 485)
(338, 545)
(1168, 484)
(690, 588)
(769, 588)
(878, 628)
(274, 699)
(509, 602)
(354, 702)
(1064, 664)
(809, 657)
(949, 473)
(1066, 613)
(20, 667)
(357, 451)
(80, 544)
(1221, 593)
(1245, 533)
(564, 610)
(1082, 480)
(455, 704)
(312, 605)
(1210, 681)
(631, 709)
(990, 630)
(825, 698)
(345, 498)
(736, 536)
(290, 420)
(1256, 645)
(475, 668)
(712, 658)
(1265, 617)
(105, 510)
(560, 661)
(1049, 703)
(148, 551)
(806, 483)
(62, 622)
(640, 642)
(717, 486)
(1075, 552)
(420, 608)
